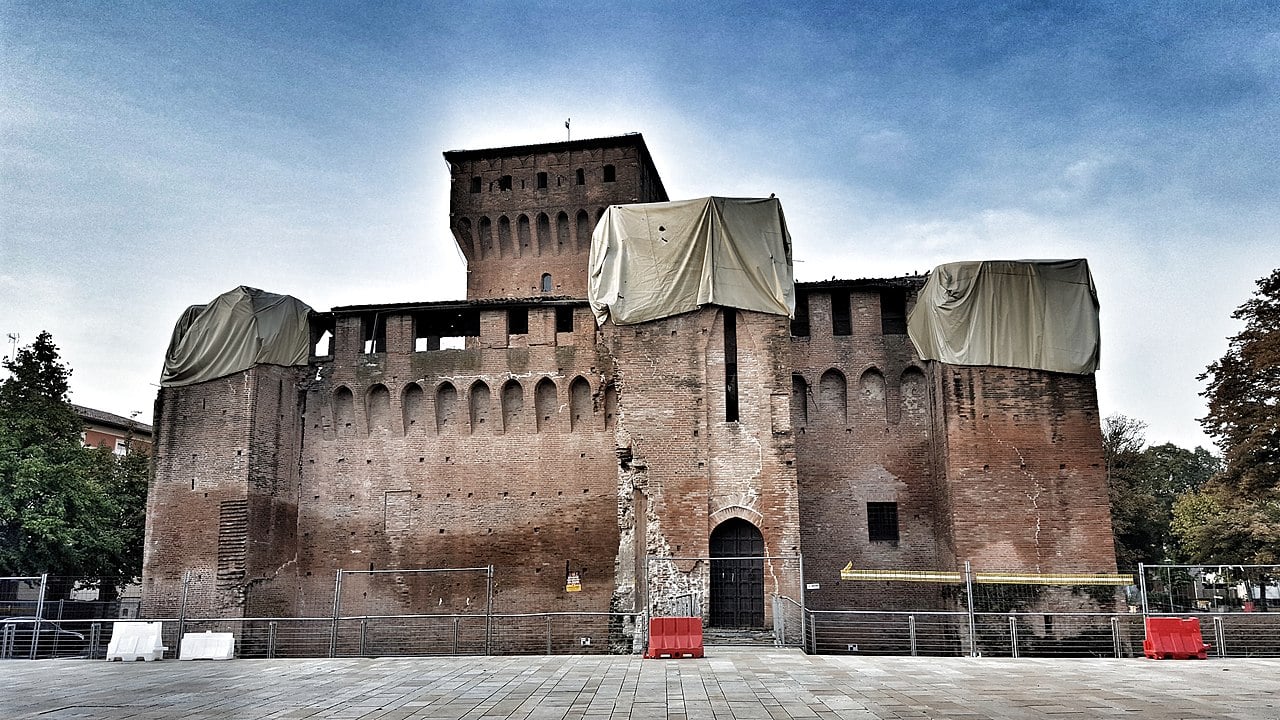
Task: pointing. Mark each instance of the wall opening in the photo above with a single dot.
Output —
(542, 181)
(882, 522)
(444, 329)
(475, 184)
(871, 384)
(486, 237)
(893, 312)
(584, 231)
(737, 581)
(324, 346)
(505, 248)
(800, 325)
(562, 231)
(841, 317)
(581, 176)
(564, 316)
(610, 405)
(374, 328)
(504, 182)
(730, 365)
(517, 321)
(545, 284)
(610, 174)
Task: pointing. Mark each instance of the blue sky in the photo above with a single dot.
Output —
(155, 155)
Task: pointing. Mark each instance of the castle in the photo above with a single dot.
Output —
(599, 467)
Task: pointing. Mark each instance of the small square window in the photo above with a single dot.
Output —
(882, 522)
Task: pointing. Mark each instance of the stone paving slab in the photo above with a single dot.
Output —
(730, 684)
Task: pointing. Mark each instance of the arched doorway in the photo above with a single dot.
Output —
(737, 584)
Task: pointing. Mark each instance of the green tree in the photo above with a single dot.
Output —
(1235, 518)
(64, 509)
(1144, 483)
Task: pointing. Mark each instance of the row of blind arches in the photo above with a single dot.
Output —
(829, 401)
(529, 238)
(470, 410)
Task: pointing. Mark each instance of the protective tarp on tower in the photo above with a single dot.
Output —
(239, 329)
(654, 260)
(1038, 314)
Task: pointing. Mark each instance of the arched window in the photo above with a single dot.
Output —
(580, 406)
(584, 231)
(799, 401)
(871, 385)
(504, 237)
(486, 237)
(544, 234)
(562, 232)
(479, 406)
(512, 404)
(378, 408)
(546, 282)
(915, 400)
(522, 235)
(411, 406)
(344, 409)
(833, 396)
(545, 404)
(446, 407)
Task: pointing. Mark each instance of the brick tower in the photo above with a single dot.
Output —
(523, 215)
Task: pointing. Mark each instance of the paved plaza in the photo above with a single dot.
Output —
(737, 683)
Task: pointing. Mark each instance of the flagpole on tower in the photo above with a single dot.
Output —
(567, 136)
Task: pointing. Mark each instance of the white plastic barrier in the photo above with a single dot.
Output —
(136, 641)
(207, 646)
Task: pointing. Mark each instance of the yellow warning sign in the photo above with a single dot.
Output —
(573, 583)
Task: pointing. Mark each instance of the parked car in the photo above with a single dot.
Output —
(18, 634)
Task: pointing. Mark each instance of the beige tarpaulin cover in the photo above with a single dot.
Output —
(239, 329)
(1040, 314)
(654, 260)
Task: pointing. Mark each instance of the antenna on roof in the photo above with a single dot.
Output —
(567, 136)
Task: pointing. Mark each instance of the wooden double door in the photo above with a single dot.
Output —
(737, 575)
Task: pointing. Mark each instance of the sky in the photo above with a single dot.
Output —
(156, 155)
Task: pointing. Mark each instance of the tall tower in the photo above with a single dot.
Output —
(523, 216)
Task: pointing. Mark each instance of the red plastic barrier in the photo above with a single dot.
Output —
(675, 637)
(1174, 638)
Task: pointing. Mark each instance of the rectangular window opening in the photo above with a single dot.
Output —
(475, 184)
(730, 365)
(841, 317)
(518, 321)
(542, 181)
(504, 182)
(444, 329)
(893, 312)
(375, 333)
(800, 326)
(564, 319)
(882, 522)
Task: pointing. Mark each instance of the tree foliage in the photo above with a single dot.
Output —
(1144, 483)
(64, 509)
(1236, 517)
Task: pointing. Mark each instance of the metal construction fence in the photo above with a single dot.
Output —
(870, 612)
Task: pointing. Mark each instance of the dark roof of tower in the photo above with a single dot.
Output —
(635, 139)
